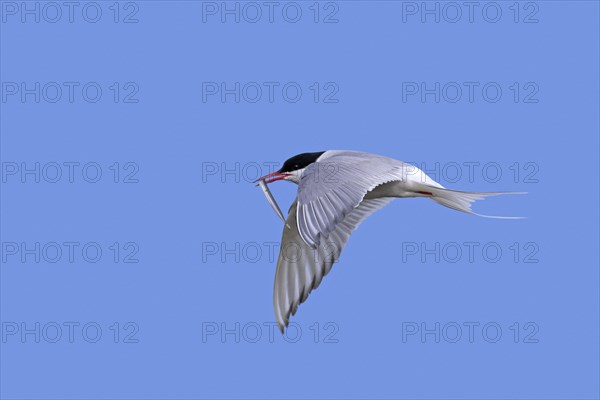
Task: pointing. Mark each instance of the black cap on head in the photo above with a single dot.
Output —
(300, 161)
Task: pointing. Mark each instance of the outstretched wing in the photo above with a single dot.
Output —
(333, 186)
(300, 267)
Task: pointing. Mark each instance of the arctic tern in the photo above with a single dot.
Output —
(337, 190)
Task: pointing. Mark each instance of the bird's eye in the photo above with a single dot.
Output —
(296, 166)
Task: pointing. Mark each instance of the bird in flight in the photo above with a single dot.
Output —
(337, 190)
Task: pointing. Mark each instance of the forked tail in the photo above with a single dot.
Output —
(462, 201)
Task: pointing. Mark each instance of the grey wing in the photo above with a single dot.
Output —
(300, 267)
(333, 186)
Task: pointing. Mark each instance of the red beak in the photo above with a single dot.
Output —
(272, 177)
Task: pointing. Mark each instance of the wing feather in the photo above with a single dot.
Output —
(325, 198)
(301, 271)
